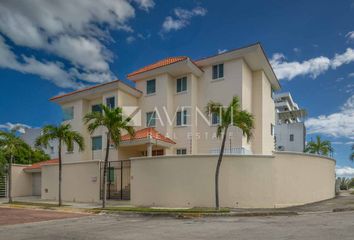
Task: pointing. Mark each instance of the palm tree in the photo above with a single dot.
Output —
(352, 155)
(10, 145)
(114, 122)
(319, 147)
(64, 135)
(230, 116)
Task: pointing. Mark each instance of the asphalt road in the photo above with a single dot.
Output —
(309, 226)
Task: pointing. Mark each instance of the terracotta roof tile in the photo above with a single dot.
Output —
(38, 165)
(161, 63)
(144, 133)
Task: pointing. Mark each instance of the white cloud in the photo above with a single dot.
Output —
(345, 171)
(145, 4)
(339, 124)
(350, 35)
(220, 51)
(52, 71)
(18, 127)
(312, 67)
(83, 52)
(297, 50)
(74, 31)
(130, 39)
(182, 18)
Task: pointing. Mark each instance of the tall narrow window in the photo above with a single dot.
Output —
(68, 113)
(181, 118)
(182, 84)
(272, 129)
(215, 118)
(96, 143)
(111, 102)
(291, 137)
(151, 119)
(150, 86)
(218, 71)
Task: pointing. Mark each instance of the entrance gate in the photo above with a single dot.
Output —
(3, 188)
(118, 180)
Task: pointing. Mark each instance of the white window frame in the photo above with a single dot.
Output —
(218, 71)
(183, 114)
(179, 151)
(181, 79)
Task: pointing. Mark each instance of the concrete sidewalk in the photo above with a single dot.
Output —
(76, 205)
(343, 202)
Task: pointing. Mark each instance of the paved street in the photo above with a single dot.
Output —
(309, 226)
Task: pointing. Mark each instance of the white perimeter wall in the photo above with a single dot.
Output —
(279, 180)
(21, 181)
(80, 182)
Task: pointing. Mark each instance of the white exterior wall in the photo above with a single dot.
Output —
(80, 182)
(249, 181)
(21, 181)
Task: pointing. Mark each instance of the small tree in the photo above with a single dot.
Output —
(351, 157)
(10, 146)
(319, 147)
(230, 116)
(65, 136)
(114, 122)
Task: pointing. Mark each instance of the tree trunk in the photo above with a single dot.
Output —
(221, 154)
(104, 198)
(60, 174)
(9, 174)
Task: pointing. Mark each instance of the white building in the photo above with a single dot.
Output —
(30, 136)
(290, 131)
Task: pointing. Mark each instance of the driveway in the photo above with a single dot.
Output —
(318, 226)
(10, 216)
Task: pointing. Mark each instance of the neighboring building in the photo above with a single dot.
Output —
(30, 136)
(290, 131)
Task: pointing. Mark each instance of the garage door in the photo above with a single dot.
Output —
(36, 184)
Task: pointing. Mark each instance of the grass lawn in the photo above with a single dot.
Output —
(161, 210)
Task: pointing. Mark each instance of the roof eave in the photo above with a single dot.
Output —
(192, 67)
(117, 84)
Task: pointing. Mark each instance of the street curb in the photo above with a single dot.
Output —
(194, 215)
(349, 209)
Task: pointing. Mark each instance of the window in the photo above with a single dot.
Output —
(181, 151)
(272, 129)
(111, 102)
(181, 118)
(215, 118)
(151, 119)
(68, 113)
(218, 71)
(51, 150)
(96, 108)
(96, 143)
(291, 137)
(150, 86)
(182, 84)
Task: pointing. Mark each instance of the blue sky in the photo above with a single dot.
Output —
(53, 48)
